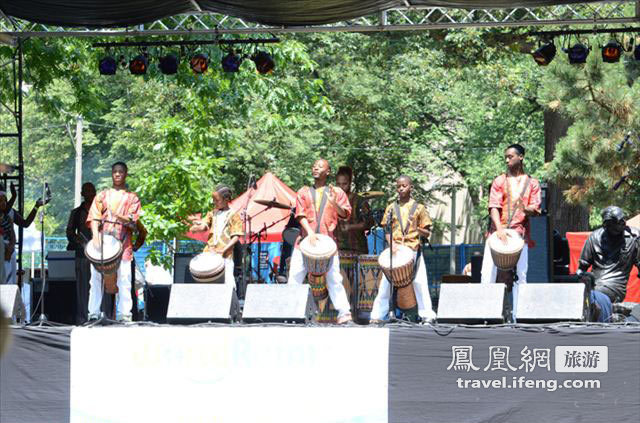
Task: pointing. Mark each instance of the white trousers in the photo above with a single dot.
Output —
(490, 272)
(380, 310)
(123, 297)
(228, 272)
(298, 271)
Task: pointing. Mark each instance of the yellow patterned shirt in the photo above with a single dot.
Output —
(223, 225)
(419, 219)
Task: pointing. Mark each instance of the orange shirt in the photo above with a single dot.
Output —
(329, 220)
(504, 195)
(104, 207)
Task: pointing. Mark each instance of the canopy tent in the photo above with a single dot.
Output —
(269, 187)
(120, 13)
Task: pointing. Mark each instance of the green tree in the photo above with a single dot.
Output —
(602, 102)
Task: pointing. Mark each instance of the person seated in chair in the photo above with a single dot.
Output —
(611, 251)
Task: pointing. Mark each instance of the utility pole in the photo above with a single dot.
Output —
(452, 229)
(78, 145)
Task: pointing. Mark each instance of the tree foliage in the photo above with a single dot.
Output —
(438, 106)
(602, 102)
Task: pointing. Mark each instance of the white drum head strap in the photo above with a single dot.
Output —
(323, 203)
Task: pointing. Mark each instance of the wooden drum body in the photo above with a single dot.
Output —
(369, 277)
(106, 262)
(506, 256)
(401, 275)
(207, 267)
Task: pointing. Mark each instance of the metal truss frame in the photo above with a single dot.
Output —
(15, 67)
(398, 19)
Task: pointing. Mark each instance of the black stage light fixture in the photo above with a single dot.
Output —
(108, 66)
(169, 64)
(264, 62)
(199, 63)
(577, 54)
(231, 62)
(544, 54)
(611, 52)
(138, 65)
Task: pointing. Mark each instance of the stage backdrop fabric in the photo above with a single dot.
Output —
(118, 13)
(399, 373)
(576, 242)
(34, 376)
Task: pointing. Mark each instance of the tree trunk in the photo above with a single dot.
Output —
(563, 216)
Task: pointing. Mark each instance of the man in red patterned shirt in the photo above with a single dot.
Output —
(115, 204)
(513, 198)
(314, 219)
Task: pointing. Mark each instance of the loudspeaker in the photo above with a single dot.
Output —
(278, 303)
(472, 303)
(552, 302)
(157, 302)
(11, 303)
(541, 256)
(181, 273)
(634, 316)
(476, 267)
(197, 303)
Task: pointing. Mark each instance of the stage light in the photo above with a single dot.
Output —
(199, 63)
(264, 62)
(138, 65)
(577, 54)
(611, 52)
(169, 64)
(544, 54)
(108, 66)
(231, 62)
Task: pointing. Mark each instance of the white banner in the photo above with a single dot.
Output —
(229, 374)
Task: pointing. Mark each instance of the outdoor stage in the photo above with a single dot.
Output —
(321, 374)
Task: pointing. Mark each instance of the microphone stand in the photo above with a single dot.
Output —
(42, 319)
(392, 303)
(259, 235)
(251, 187)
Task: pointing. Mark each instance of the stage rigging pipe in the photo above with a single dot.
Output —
(187, 43)
(78, 146)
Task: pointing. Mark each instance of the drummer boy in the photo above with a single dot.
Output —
(114, 211)
(318, 209)
(514, 196)
(224, 227)
(409, 221)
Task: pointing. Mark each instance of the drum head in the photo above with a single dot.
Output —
(112, 248)
(403, 256)
(206, 263)
(290, 235)
(514, 243)
(325, 246)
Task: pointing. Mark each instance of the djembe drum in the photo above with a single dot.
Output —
(207, 267)
(317, 260)
(506, 255)
(400, 275)
(107, 262)
(369, 277)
